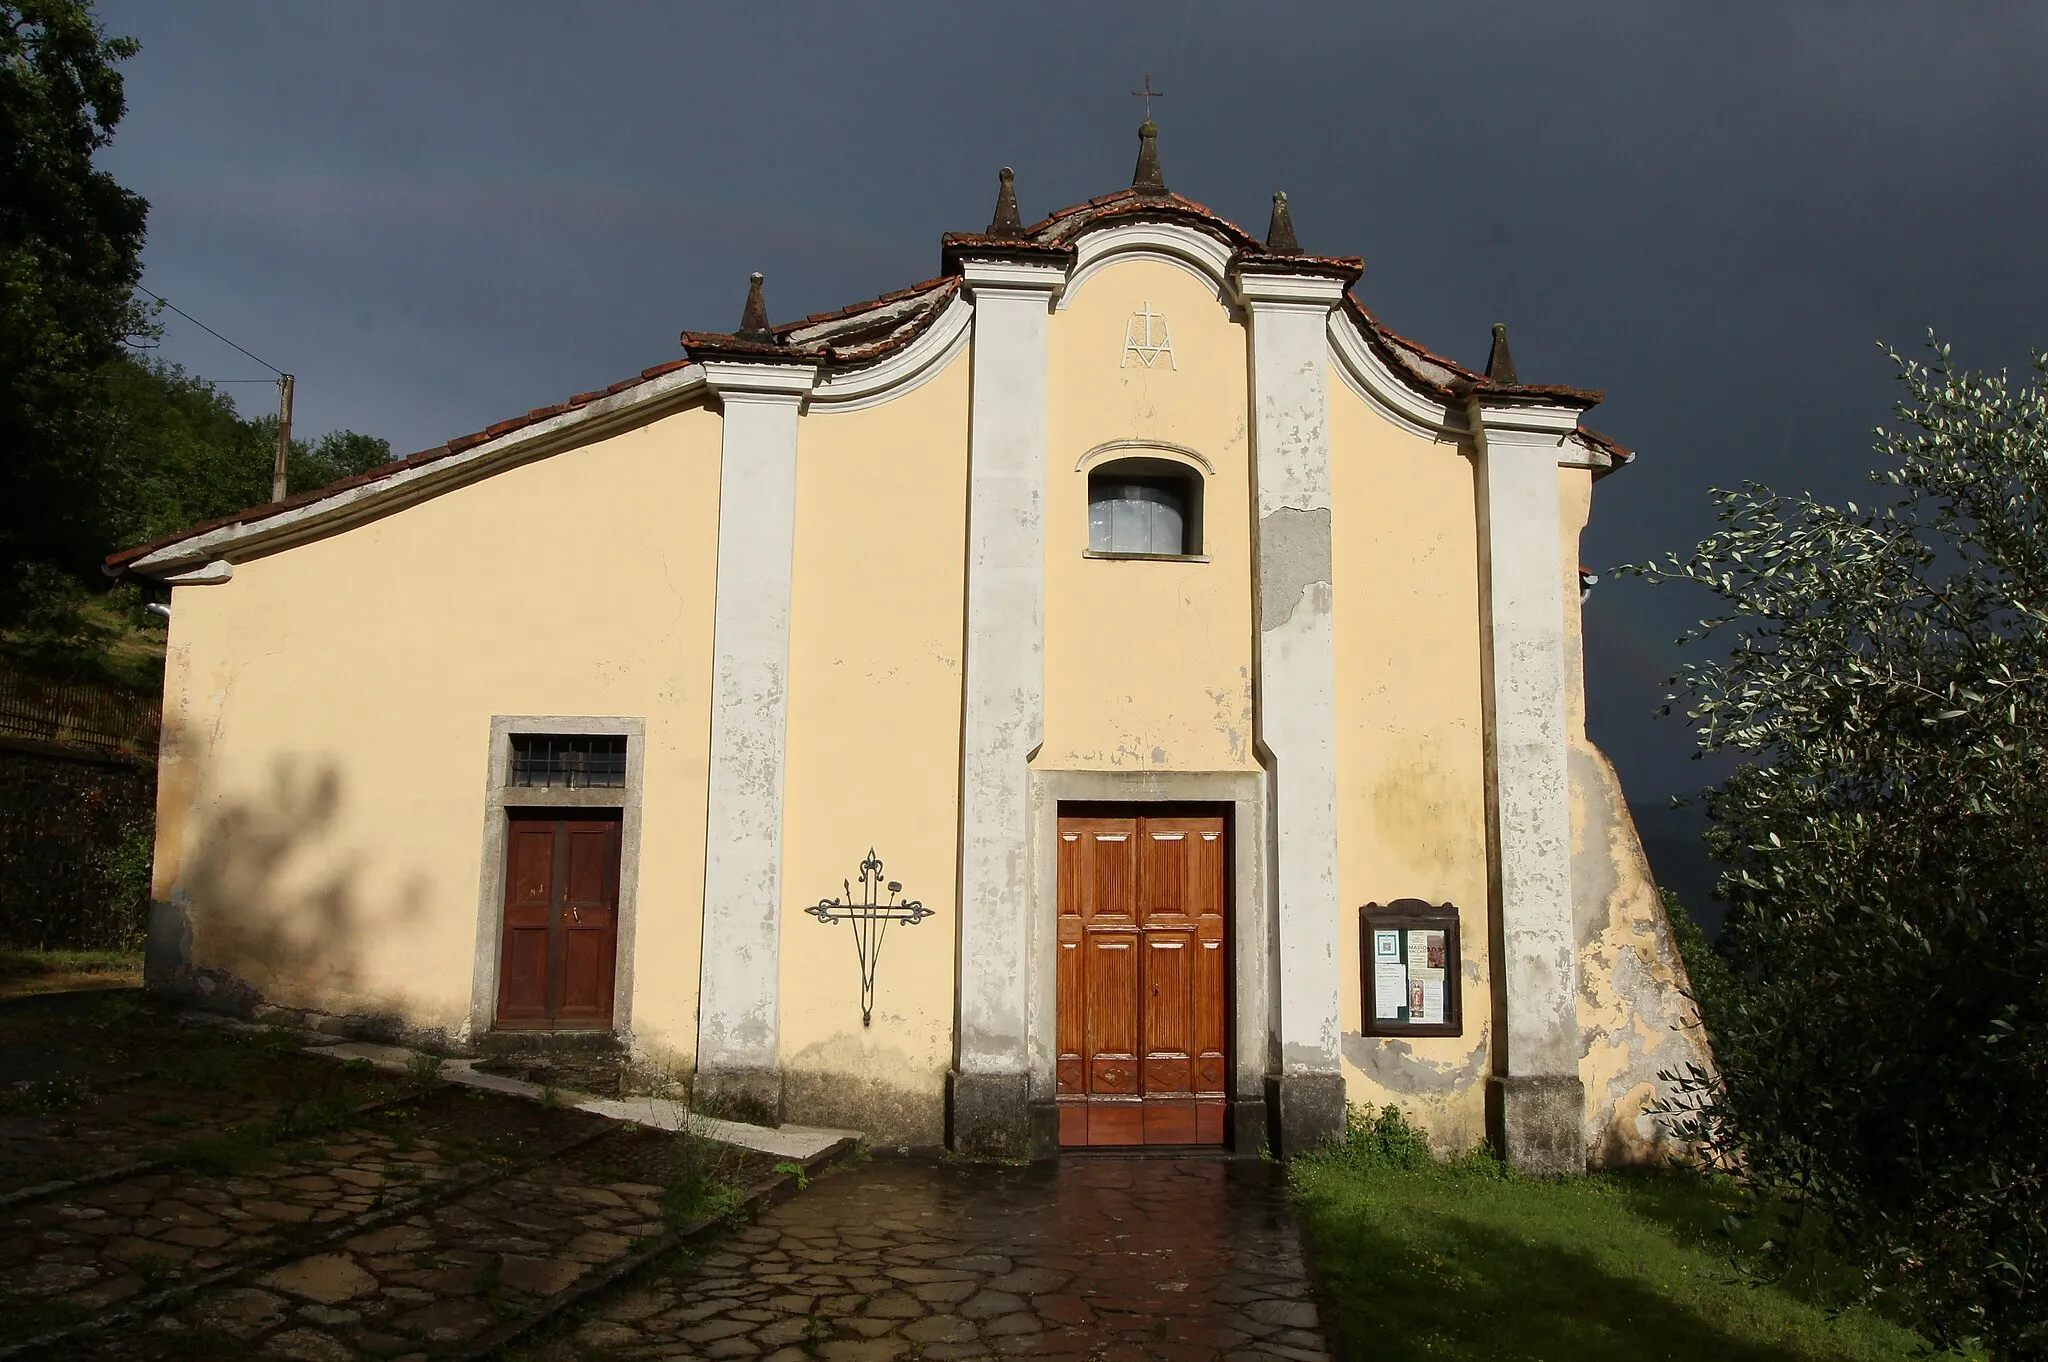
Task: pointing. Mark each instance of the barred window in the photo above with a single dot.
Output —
(563, 762)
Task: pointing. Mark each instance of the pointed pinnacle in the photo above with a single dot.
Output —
(1146, 179)
(1280, 233)
(1007, 221)
(1500, 364)
(754, 321)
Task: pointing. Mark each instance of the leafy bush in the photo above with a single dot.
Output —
(128, 875)
(1882, 1042)
(1381, 1139)
(1713, 981)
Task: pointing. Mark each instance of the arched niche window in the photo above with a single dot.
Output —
(1144, 508)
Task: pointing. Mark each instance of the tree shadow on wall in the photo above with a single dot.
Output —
(271, 906)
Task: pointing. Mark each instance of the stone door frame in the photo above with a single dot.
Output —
(499, 797)
(1254, 958)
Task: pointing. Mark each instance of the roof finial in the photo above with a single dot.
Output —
(1500, 365)
(754, 321)
(1007, 221)
(1280, 233)
(1146, 178)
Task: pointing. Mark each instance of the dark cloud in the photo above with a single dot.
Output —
(441, 215)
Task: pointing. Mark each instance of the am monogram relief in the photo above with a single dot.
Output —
(1147, 336)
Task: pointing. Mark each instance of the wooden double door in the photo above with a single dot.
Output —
(1143, 981)
(561, 933)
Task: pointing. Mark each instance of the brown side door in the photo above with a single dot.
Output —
(1143, 988)
(561, 934)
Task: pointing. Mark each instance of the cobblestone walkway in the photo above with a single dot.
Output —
(412, 1233)
(1108, 1259)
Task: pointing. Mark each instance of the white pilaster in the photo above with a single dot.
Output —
(1004, 696)
(1523, 607)
(1296, 684)
(738, 1021)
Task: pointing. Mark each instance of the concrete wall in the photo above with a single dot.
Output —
(327, 719)
(874, 754)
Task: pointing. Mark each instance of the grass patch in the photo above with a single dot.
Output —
(698, 1185)
(25, 972)
(236, 1150)
(1419, 1259)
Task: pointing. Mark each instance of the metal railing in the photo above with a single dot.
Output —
(85, 715)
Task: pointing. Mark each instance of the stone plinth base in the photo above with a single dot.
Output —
(989, 1116)
(750, 1095)
(1536, 1122)
(1308, 1109)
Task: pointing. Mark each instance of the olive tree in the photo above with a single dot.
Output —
(1881, 674)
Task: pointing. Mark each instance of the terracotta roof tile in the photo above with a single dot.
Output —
(870, 331)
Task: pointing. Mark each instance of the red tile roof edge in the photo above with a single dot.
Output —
(1467, 380)
(115, 562)
(699, 345)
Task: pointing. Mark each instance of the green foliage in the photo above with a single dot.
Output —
(1713, 980)
(70, 241)
(1883, 1062)
(179, 452)
(423, 1070)
(128, 875)
(1382, 1139)
(698, 1186)
(172, 451)
(98, 449)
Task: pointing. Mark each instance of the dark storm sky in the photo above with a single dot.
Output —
(439, 215)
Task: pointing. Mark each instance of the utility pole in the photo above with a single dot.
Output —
(284, 436)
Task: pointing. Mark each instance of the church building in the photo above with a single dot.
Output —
(1115, 692)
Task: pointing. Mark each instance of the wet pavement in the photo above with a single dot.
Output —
(238, 1198)
(1112, 1259)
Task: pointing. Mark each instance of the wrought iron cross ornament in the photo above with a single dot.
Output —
(1148, 94)
(870, 917)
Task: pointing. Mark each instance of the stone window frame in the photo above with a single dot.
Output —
(500, 796)
(1153, 461)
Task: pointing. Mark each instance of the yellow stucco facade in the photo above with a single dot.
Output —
(328, 712)
(1147, 664)
(874, 752)
(1411, 758)
(340, 680)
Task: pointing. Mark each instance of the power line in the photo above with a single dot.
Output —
(284, 393)
(217, 336)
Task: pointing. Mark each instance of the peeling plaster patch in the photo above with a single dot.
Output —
(1159, 756)
(1596, 877)
(1297, 1058)
(1393, 1064)
(1634, 1013)
(1294, 555)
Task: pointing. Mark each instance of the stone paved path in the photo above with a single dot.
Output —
(1108, 1259)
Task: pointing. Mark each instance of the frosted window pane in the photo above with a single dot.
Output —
(1166, 526)
(1135, 517)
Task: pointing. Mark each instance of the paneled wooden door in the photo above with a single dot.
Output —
(1143, 983)
(561, 937)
